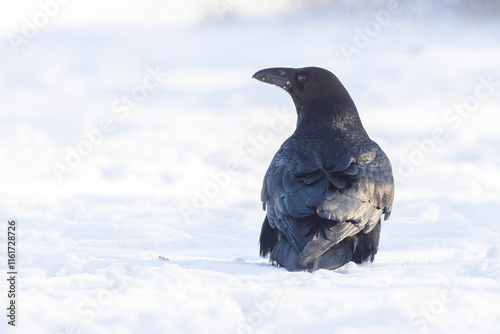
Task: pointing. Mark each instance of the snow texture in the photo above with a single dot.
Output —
(132, 130)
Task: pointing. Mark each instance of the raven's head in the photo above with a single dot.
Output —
(308, 86)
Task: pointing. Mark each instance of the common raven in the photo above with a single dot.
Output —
(329, 183)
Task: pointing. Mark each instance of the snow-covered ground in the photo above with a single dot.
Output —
(134, 131)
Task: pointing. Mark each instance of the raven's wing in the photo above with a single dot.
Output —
(361, 192)
(294, 186)
(347, 197)
(356, 198)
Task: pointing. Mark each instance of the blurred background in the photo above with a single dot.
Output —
(132, 129)
(67, 66)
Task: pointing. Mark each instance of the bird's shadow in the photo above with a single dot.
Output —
(237, 265)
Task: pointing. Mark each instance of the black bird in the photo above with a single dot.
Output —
(329, 183)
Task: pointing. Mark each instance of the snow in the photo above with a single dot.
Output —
(164, 138)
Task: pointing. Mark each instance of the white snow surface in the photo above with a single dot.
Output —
(161, 140)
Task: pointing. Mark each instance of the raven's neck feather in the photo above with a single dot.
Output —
(339, 115)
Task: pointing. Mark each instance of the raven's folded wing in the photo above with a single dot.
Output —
(347, 198)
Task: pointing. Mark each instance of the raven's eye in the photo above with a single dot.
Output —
(301, 78)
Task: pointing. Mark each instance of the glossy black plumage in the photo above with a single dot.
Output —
(329, 184)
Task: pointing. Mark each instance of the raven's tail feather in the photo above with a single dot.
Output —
(321, 242)
(287, 256)
(322, 251)
(268, 238)
(367, 245)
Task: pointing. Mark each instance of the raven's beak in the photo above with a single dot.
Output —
(280, 76)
